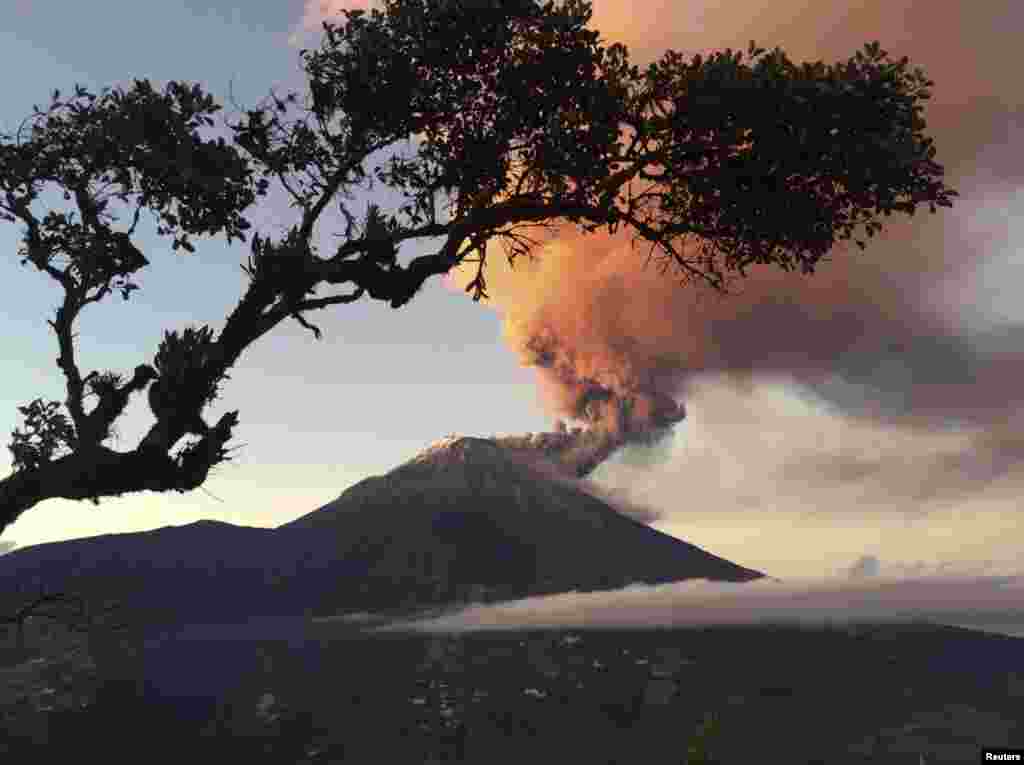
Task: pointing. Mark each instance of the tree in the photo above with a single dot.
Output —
(518, 114)
(72, 611)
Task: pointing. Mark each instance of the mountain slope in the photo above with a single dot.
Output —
(490, 519)
(462, 516)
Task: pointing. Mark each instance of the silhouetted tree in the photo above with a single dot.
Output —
(518, 114)
(67, 609)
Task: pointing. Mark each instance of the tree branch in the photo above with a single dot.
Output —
(34, 249)
(66, 361)
(474, 99)
(398, 284)
(112, 403)
(103, 472)
(311, 305)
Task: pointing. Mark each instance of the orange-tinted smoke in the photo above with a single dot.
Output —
(574, 316)
(599, 326)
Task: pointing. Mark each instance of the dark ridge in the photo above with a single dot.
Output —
(461, 520)
(465, 511)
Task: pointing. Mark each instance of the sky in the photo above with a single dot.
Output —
(860, 421)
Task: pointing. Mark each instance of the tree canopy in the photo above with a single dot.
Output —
(520, 117)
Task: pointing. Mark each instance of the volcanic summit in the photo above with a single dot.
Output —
(467, 517)
(473, 512)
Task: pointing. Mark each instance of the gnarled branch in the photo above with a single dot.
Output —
(105, 472)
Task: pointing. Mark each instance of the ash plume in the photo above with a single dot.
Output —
(611, 425)
(606, 383)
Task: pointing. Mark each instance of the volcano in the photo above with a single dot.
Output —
(466, 518)
(470, 514)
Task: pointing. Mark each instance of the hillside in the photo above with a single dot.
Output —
(467, 512)
(464, 518)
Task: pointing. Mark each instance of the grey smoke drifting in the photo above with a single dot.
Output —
(984, 602)
(567, 456)
(921, 330)
(577, 451)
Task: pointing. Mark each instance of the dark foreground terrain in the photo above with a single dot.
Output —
(888, 694)
(462, 521)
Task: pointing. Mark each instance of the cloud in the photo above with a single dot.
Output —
(910, 366)
(993, 601)
(865, 566)
(878, 398)
(880, 333)
(315, 12)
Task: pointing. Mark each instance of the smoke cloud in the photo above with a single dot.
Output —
(574, 452)
(570, 314)
(919, 334)
(920, 331)
(984, 602)
(827, 414)
(567, 456)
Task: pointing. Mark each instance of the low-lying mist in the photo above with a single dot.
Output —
(991, 603)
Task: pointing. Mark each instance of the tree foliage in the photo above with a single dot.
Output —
(519, 117)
